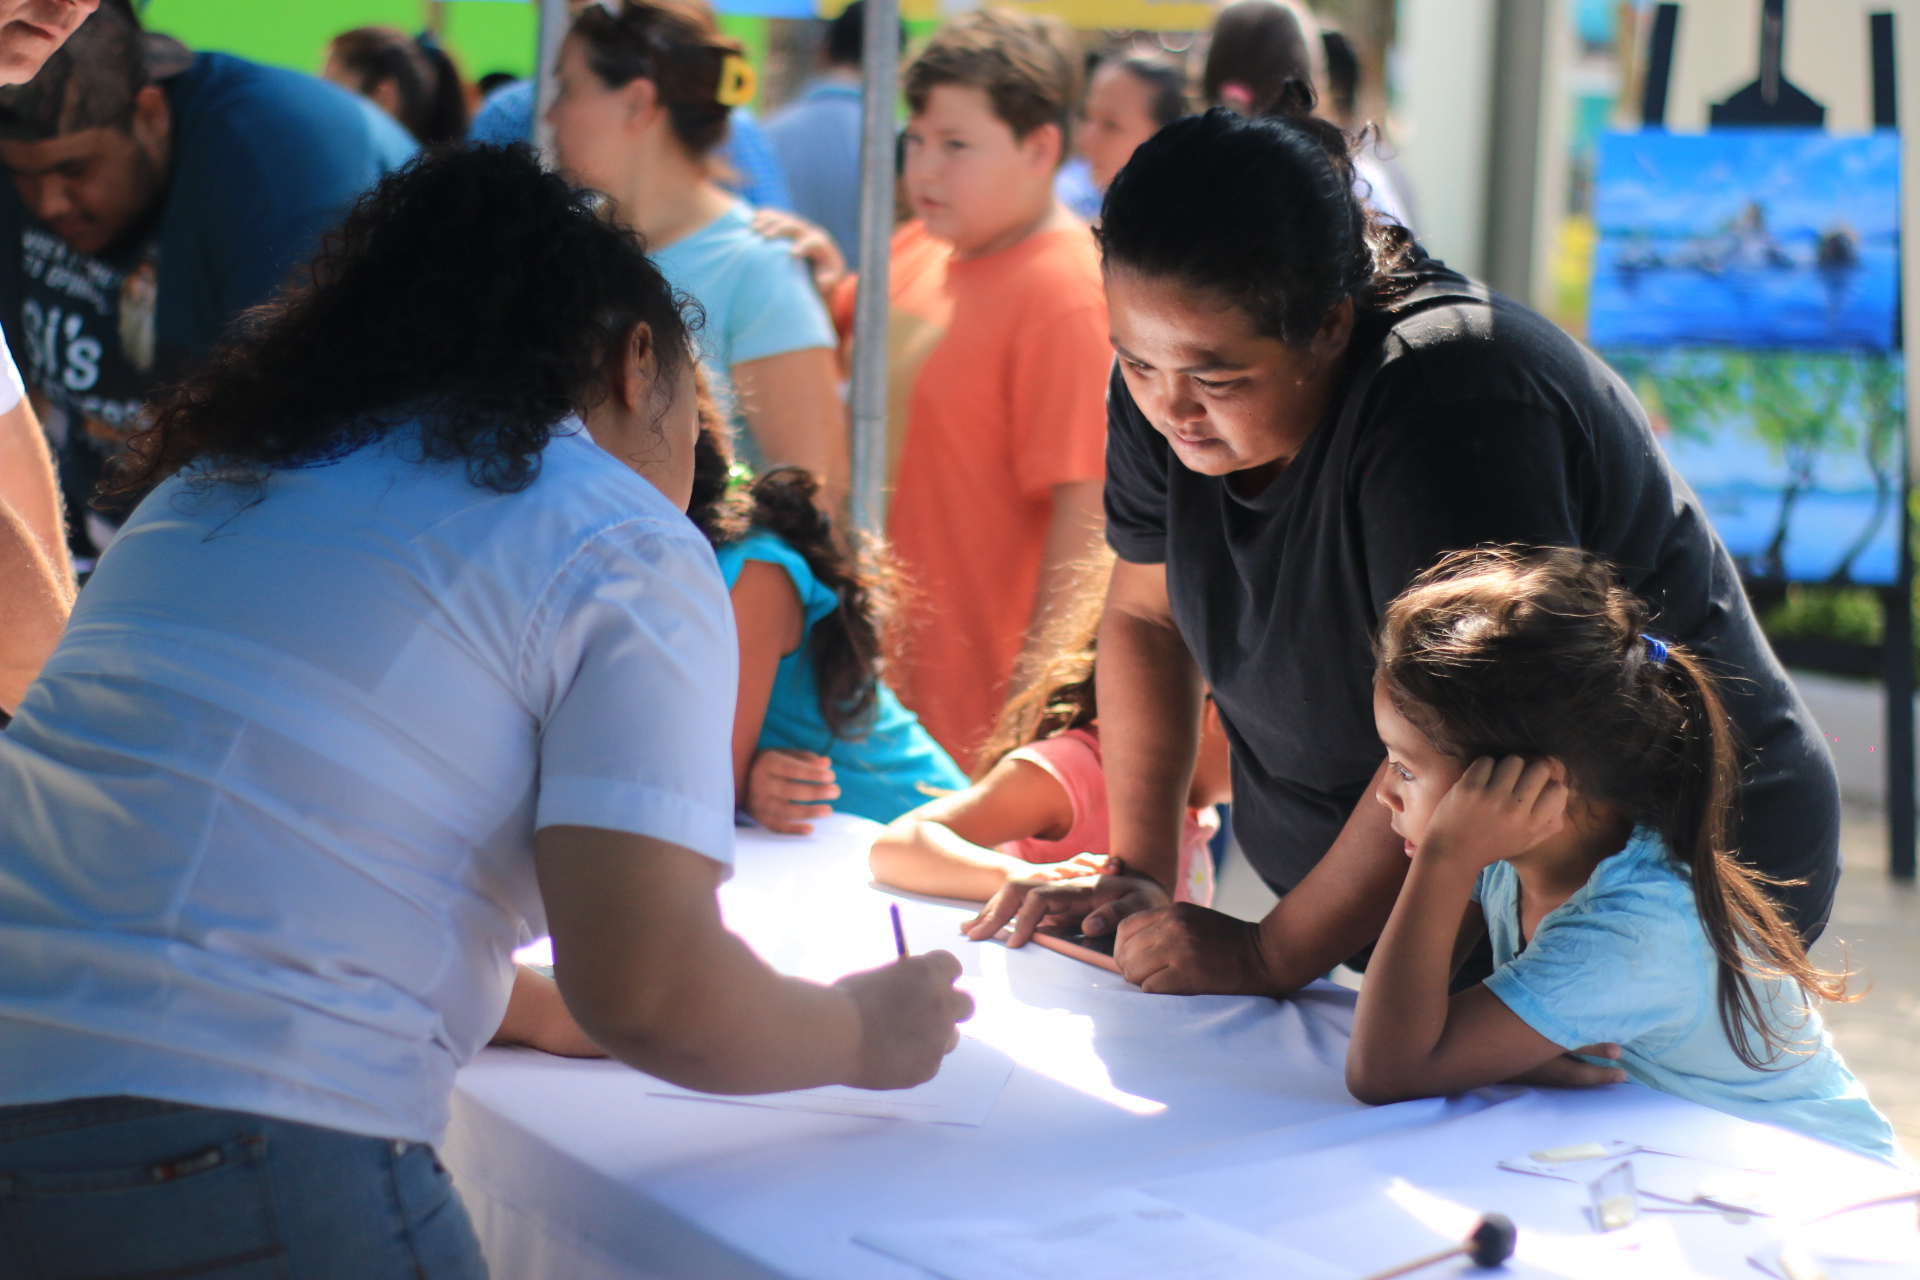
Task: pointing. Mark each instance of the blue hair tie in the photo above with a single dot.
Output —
(1656, 651)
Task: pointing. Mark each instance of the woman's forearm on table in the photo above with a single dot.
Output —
(1341, 905)
(654, 978)
(1150, 698)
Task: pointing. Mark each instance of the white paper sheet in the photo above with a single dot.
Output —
(1879, 1241)
(1119, 1235)
(964, 1092)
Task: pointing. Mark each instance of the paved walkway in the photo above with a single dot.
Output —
(1876, 930)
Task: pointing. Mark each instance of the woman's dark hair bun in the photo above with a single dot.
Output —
(1260, 213)
(1296, 105)
(1296, 101)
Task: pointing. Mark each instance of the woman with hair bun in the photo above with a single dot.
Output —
(1306, 412)
(414, 81)
(645, 91)
(410, 652)
(1256, 49)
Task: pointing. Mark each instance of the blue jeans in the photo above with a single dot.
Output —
(133, 1189)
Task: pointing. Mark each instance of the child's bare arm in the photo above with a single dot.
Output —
(537, 1017)
(947, 847)
(783, 790)
(1410, 1040)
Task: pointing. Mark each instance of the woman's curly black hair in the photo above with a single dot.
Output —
(848, 645)
(472, 291)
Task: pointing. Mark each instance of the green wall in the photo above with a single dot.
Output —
(483, 35)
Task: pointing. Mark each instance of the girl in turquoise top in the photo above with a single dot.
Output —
(815, 728)
(1566, 784)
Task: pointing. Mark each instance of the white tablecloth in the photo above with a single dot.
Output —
(1232, 1107)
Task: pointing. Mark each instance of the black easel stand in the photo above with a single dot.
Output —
(1898, 630)
(1900, 742)
(1773, 100)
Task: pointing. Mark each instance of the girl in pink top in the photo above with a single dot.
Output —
(1039, 810)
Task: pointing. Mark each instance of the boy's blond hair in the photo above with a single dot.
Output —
(1029, 68)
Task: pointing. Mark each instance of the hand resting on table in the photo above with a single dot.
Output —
(1188, 950)
(1093, 903)
(787, 790)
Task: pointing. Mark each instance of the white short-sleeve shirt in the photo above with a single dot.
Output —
(12, 390)
(266, 819)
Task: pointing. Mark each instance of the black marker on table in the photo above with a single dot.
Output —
(899, 933)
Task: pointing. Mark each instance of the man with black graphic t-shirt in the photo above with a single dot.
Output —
(156, 195)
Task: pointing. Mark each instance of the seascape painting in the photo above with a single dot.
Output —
(1798, 457)
(1752, 238)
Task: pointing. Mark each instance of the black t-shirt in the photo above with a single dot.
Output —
(1466, 419)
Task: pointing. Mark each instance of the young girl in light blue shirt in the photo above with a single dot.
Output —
(1566, 784)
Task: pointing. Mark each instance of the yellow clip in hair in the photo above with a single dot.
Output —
(737, 82)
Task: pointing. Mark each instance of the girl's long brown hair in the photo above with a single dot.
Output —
(1501, 651)
(1059, 695)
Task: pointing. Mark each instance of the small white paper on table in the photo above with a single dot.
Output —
(1119, 1235)
(969, 1083)
(1664, 1175)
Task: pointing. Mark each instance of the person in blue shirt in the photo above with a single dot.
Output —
(815, 727)
(156, 195)
(754, 172)
(637, 116)
(817, 136)
(1565, 784)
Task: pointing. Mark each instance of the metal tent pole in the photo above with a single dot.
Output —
(554, 22)
(881, 73)
(1898, 632)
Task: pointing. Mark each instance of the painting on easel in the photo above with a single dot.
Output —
(1747, 237)
(1798, 457)
(1746, 284)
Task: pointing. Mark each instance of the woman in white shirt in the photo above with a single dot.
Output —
(402, 660)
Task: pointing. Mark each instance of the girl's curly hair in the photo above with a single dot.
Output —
(471, 291)
(848, 644)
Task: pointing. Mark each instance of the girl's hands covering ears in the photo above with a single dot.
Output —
(1498, 810)
(907, 1014)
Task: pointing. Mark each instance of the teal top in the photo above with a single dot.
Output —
(1626, 961)
(896, 765)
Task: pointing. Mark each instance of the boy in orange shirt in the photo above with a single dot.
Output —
(1000, 358)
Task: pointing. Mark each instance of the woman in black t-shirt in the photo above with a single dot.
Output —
(1306, 412)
